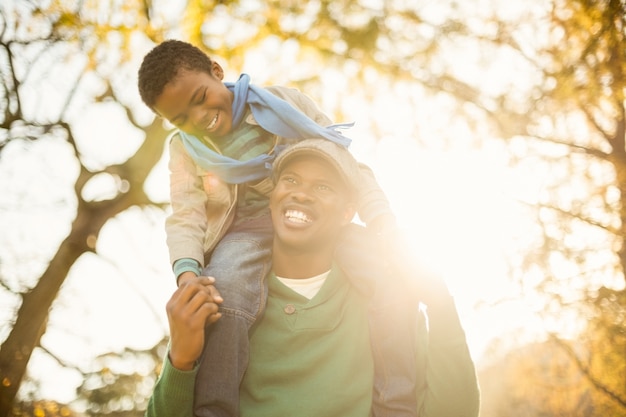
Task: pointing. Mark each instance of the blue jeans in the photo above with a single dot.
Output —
(393, 320)
(240, 264)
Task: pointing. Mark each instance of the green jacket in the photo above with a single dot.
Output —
(310, 357)
(314, 358)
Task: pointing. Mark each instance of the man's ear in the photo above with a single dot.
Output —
(348, 214)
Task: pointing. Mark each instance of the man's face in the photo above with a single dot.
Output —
(309, 204)
(197, 103)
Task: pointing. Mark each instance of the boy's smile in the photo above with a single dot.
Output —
(197, 103)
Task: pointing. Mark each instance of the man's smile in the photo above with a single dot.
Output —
(296, 216)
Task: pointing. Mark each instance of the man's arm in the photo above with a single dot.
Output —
(446, 384)
(173, 393)
(450, 386)
(192, 306)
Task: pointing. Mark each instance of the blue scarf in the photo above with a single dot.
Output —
(273, 114)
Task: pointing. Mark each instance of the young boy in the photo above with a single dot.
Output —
(220, 226)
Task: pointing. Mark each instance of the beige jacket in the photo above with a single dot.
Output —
(203, 206)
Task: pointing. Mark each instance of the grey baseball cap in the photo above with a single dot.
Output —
(336, 155)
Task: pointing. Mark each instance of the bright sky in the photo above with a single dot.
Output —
(455, 206)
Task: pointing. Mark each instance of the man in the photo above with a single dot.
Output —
(310, 353)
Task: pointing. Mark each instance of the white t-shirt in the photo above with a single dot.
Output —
(306, 287)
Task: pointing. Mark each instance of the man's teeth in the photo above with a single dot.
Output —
(213, 122)
(297, 216)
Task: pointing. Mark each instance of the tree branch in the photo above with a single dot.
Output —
(587, 372)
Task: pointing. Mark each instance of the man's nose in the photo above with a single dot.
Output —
(302, 193)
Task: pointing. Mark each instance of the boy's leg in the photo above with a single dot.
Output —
(393, 325)
(240, 264)
(392, 318)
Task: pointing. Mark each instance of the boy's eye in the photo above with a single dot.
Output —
(200, 99)
(291, 180)
(324, 187)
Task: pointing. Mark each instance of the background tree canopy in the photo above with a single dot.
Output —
(539, 85)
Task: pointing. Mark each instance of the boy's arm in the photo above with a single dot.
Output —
(373, 207)
(186, 225)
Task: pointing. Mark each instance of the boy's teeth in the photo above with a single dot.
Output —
(213, 122)
(297, 216)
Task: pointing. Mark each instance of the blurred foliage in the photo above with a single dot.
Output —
(123, 382)
(570, 378)
(74, 54)
(559, 109)
(543, 380)
(42, 409)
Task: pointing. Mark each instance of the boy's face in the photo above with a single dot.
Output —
(309, 205)
(197, 103)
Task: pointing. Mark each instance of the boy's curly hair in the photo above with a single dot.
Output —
(163, 64)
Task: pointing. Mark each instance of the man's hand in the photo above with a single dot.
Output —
(193, 305)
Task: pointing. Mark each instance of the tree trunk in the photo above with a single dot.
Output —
(33, 313)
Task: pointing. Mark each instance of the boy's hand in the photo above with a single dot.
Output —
(192, 306)
(184, 277)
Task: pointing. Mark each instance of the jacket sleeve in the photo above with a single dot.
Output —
(185, 226)
(373, 202)
(173, 393)
(449, 387)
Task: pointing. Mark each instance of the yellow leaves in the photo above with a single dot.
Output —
(558, 377)
(194, 17)
(96, 18)
(42, 409)
(38, 411)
